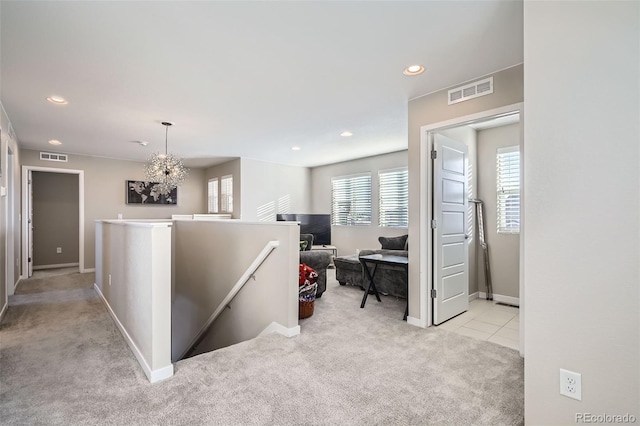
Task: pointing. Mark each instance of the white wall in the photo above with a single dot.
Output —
(504, 249)
(349, 238)
(105, 192)
(582, 208)
(133, 277)
(269, 188)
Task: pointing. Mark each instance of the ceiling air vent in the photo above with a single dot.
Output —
(471, 90)
(50, 156)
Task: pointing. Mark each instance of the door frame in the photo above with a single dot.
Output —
(10, 260)
(426, 206)
(25, 214)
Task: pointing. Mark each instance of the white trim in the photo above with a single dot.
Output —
(4, 310)
(25, 215)
(18, 283)
(144, 223)
(161, 374)
(275, 327)
(10, 218)
(56, 266)
(500, 298)
(88, 270)
(426, 280)
(152, 375)
(417, 322)
(425, 232)
(473, 296)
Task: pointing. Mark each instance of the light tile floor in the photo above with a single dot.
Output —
(485, 320)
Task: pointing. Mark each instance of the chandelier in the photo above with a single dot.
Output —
(165, 169)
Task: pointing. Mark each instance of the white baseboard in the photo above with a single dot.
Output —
(56, 266)
(20, 279)
(87, 270)
(473, 296)
(152, 375)
(500, 298)
(422, 323)
(160, 374)
(4, 311)
(274, 327)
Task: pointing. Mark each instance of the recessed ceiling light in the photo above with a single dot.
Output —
(413, 70)
(55, 142)
(296, 148)
(58, 100)
(346, 134)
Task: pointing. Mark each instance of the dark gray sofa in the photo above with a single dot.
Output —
(389, 279)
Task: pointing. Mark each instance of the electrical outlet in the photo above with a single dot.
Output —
(571, 384)
(59, 250)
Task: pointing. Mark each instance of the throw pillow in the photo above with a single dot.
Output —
(393, 243)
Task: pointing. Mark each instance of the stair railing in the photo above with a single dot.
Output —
(248, 274)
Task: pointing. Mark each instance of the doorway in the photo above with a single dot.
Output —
(74, 249)
(475, 290)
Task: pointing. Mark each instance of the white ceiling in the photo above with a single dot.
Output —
(240, 79)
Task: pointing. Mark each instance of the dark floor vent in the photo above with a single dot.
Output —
(507, 304)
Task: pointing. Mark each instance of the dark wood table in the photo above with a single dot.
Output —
(381, 259)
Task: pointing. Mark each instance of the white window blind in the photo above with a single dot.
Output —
(508, 187)
(226, 194)
(393, 198)
(212, 191)
(351, 200)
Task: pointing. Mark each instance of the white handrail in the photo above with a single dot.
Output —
(266, 251)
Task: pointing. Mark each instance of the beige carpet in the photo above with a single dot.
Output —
(62, 361)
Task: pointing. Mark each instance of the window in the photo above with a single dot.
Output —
(226, 194)
(508, 186)
(393, 198)
(212, 191)
(351, 200)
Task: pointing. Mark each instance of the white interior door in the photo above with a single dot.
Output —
(30, 224)
(450, 248)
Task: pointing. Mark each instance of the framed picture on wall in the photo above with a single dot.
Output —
(141, 192)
